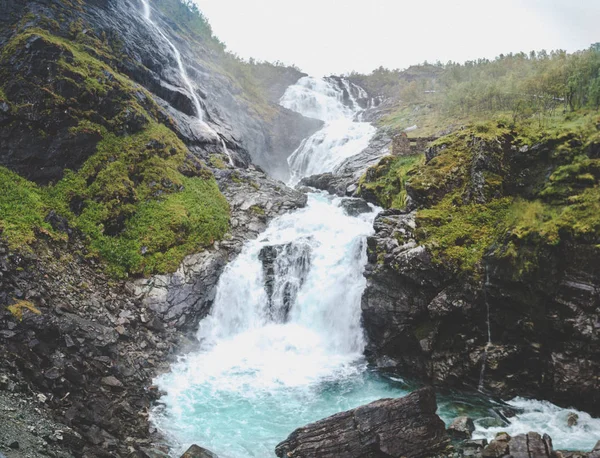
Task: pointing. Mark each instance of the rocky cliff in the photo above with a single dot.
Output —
(487, 272)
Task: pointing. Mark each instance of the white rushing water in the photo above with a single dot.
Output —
(340, 138)
(199, 112)
(546, 418)
(267, 366)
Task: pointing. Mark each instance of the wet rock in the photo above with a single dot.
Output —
(461, 428)
(572, 419)
(198, 452)
(530, 444)
(498, 447)
(354, 207)
(112, 382)
(285, 268)
(472, 448)
(405, 427)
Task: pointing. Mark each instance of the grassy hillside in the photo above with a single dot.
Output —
(500, 189)
(539, 85)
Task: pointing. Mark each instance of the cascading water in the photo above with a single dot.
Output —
(199, 112)
(337, 103)
(178, 60)
(270, 364)
(283, 344)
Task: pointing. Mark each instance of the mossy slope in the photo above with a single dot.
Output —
(501, 190)
(114, 170)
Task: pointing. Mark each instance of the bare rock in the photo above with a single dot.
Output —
(498, 447)
(461, 428)
(407, 427)
(198, 452)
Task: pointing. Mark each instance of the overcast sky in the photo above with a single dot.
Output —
(338, 36)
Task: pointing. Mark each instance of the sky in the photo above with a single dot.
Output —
(325, 37)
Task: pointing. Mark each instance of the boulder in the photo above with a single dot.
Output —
(498, 447)
(354, 207)
(407, 427)
(531, 444)
(461, 428)
(198, 452)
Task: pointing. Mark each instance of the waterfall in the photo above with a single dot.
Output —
(178, 60)
(489, 330)
(227, 153)
(283, 343)
(337, 102)
(199, 112)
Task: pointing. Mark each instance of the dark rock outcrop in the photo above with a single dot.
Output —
(285, 269)
(425, 319)
(354, 207)
(405, 427)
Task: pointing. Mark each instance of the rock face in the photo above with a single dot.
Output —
(198, 452)
(405, 427)
(285, 270)
(354, 207)
(424, 319)
(40, 147)
(521, 446)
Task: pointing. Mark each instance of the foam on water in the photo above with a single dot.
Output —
(545, 417)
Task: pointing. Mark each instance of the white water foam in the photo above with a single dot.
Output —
(255, 375)
(546, 418)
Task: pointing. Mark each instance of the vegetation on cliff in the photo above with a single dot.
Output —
(499, 189)
(135, 193)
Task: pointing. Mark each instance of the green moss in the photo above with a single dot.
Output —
(22, 210)
(162, 232)
(217, 162)
(131, 200)
(257, 210)
(19, 307)
(459, 235)
(139, 212)
(387, 180)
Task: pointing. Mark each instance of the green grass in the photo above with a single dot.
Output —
(22, 210)
(459, 235)
(563, 206)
